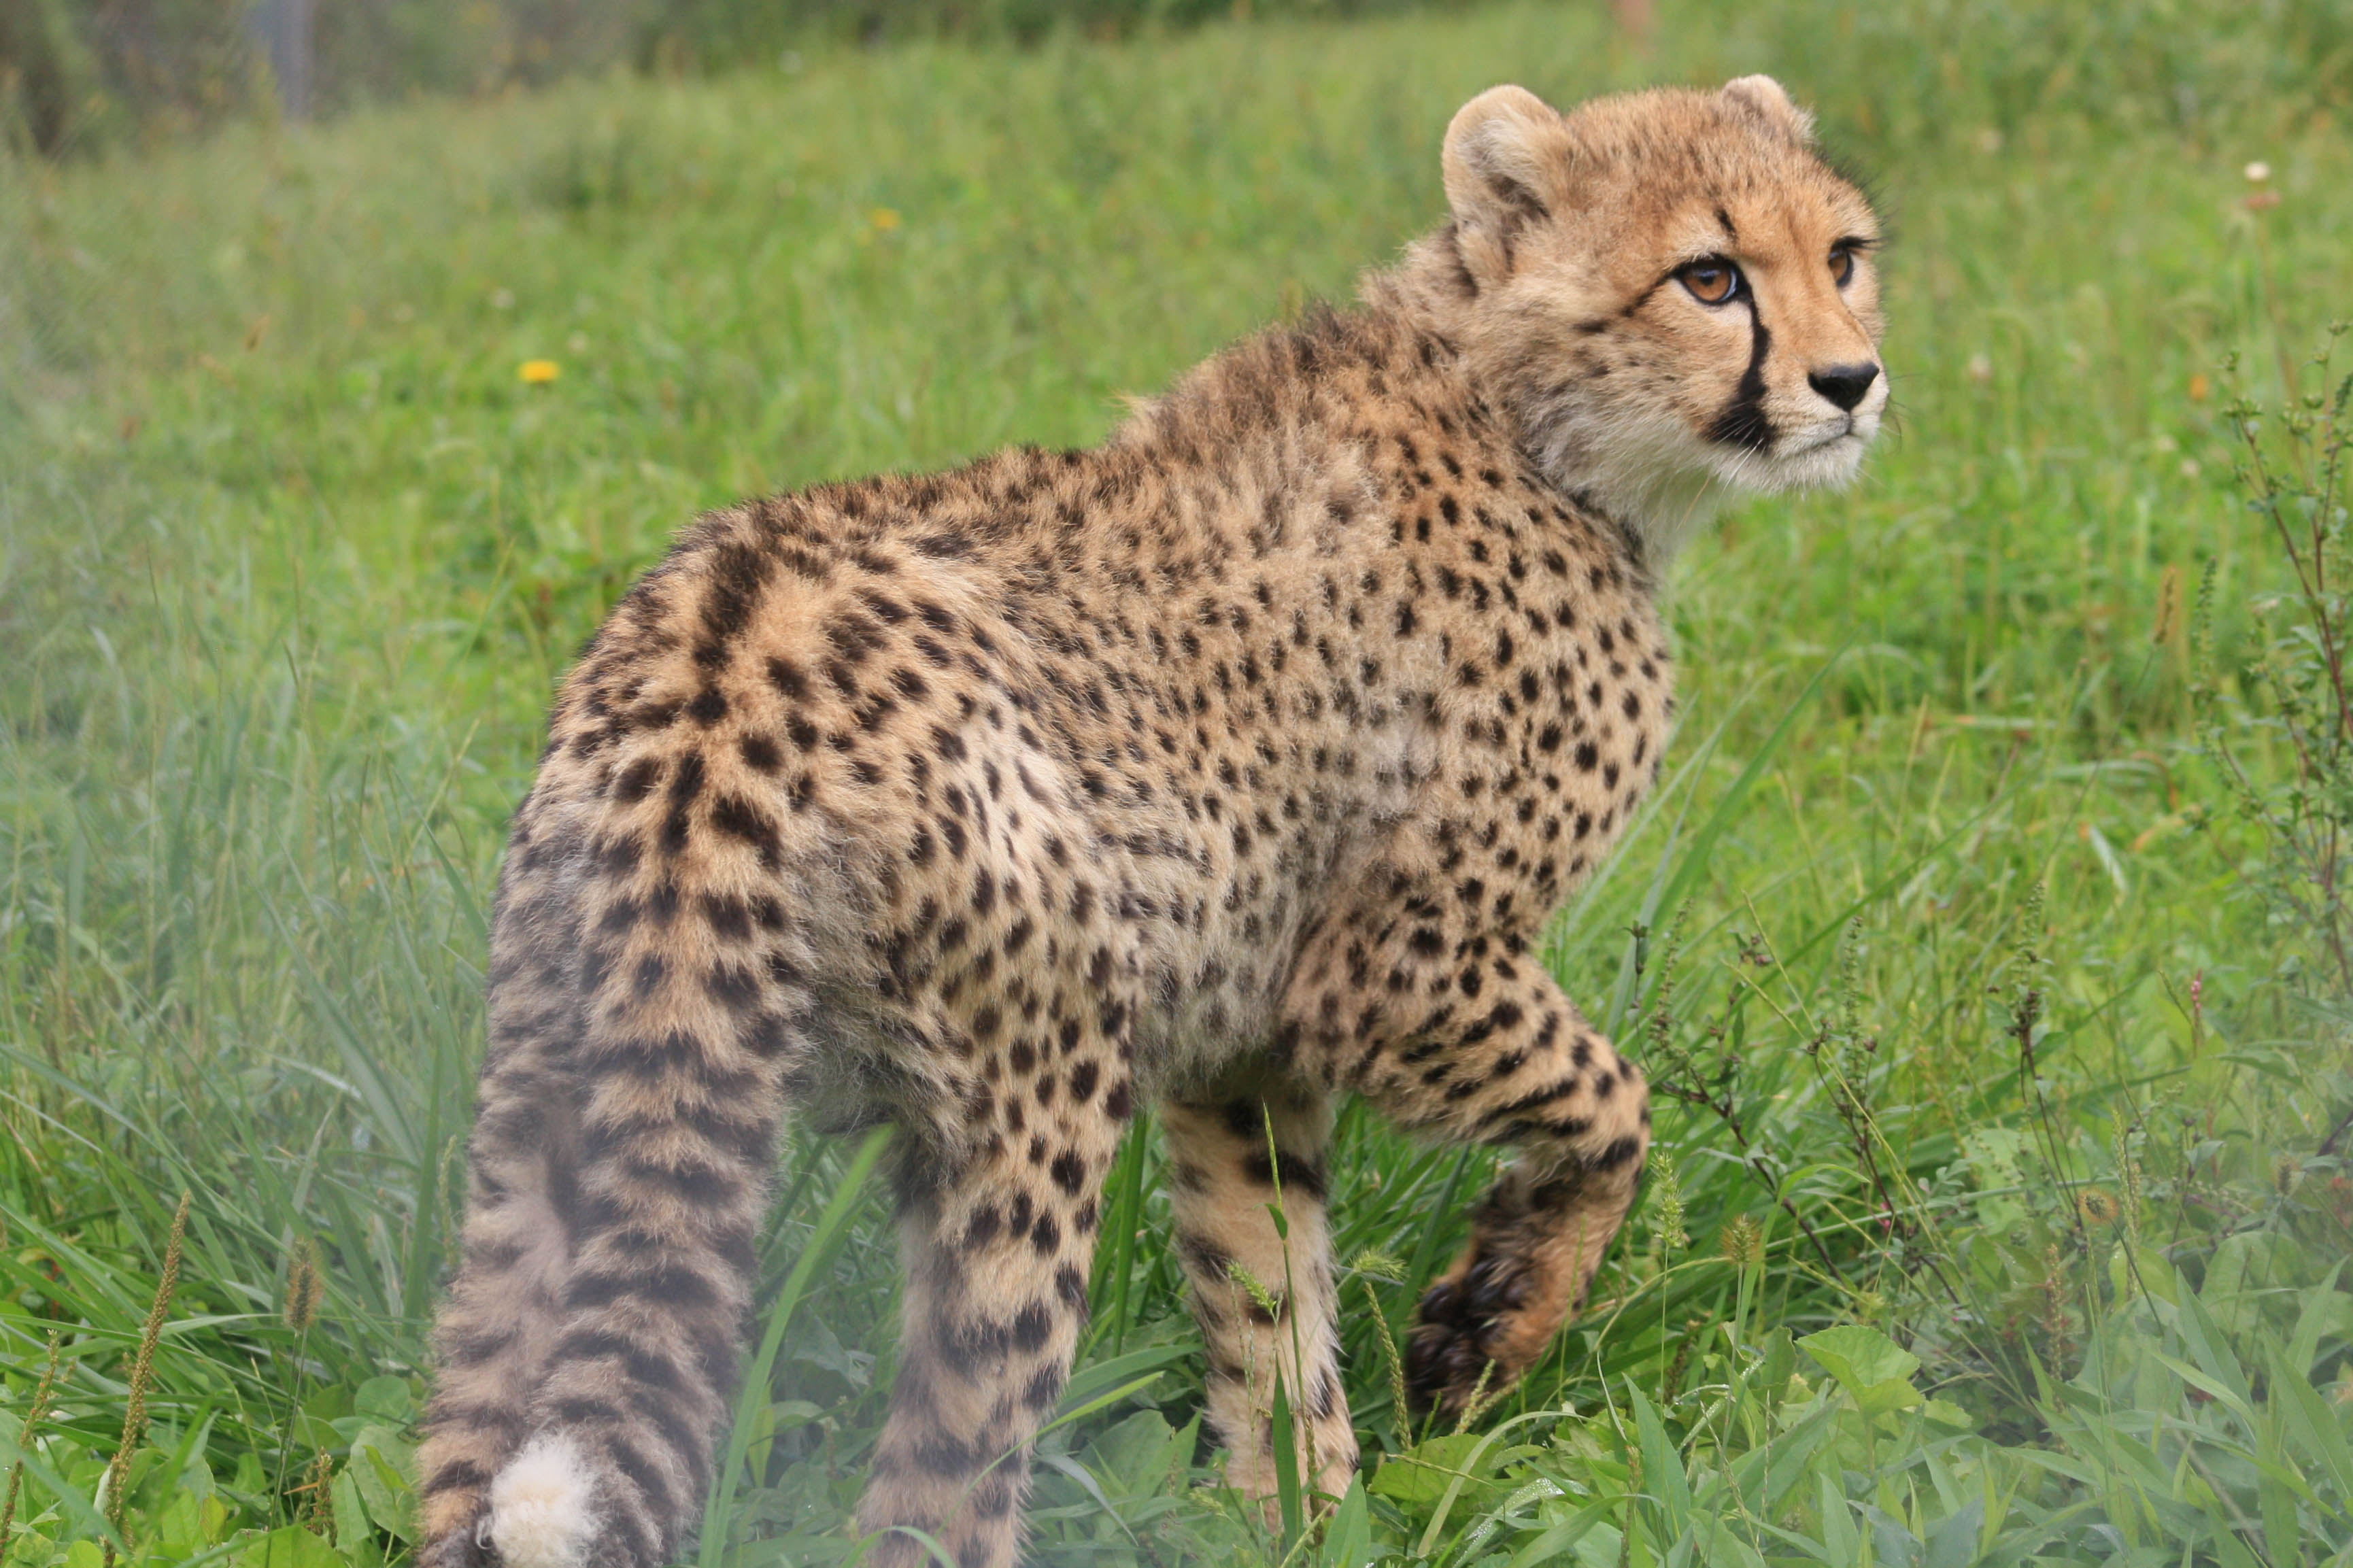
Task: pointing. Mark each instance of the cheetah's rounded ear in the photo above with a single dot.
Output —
(1770, 100)
(1506, 164)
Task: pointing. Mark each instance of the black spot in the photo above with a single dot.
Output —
(1031, 1326)
(759, 754)
(787, 678)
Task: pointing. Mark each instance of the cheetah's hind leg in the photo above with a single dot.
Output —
(996, 1259)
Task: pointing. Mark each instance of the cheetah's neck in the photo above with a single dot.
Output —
(1562, 425)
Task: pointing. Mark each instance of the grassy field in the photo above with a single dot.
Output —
(1996, 1225)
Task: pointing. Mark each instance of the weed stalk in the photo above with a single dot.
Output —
(143, 1376)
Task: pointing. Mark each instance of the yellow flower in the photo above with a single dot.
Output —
(884, 218)
(539, 372)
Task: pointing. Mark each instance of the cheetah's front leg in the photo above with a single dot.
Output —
(1503, 1060)
(1234, 1156)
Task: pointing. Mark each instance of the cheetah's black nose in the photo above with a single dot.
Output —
(1845, 384)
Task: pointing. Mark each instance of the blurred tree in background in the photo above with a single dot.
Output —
(79, 74)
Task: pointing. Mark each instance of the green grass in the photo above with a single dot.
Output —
(1942, 913)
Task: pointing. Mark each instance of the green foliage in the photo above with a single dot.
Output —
(77, 76)
(2000, 1223)
(2294, 470)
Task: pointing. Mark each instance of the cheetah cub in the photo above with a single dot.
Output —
(1234, 765)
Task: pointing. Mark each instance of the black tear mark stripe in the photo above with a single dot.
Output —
(1743, 422)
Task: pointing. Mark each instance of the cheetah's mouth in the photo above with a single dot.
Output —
(1828, 434)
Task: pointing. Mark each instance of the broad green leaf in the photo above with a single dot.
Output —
(353, 1525)
(1663, 1467)
(1860, 1357)
(1954, 1543)
(389, 1399)
(1873, 1369)
(1417, 1478)
(1995, 1159)
(289, 1546)
(380, 1467)
(1348, 1543)
(1286, 1466)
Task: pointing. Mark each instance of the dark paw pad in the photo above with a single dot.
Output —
(1453, 1342)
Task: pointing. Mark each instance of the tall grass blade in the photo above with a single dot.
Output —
(832, 1226)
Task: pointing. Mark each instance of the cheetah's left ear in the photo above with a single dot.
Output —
(1506, 163)
(1770, 100)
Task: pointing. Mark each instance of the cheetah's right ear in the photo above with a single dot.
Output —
(1507, 165)
(1770, 101)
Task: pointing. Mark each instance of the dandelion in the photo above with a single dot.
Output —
(2097, 1206)
(2258, 171)
(539, 372)
(884, 219)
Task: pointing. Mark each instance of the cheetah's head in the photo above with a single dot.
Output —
(1671, 291)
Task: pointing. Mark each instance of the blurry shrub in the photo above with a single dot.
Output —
(78, 72)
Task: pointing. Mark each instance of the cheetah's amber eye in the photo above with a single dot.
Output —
(1841, 264)
(1714, 281)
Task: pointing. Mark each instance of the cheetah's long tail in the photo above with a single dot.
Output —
(620, 1168)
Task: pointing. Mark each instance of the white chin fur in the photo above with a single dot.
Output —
(1824, 466)
(542, 1506)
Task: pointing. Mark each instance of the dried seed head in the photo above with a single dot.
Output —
(1669, 1225)
(143, 1374)
(1248, 1282)
(1743, 1242)
(304, 1288)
